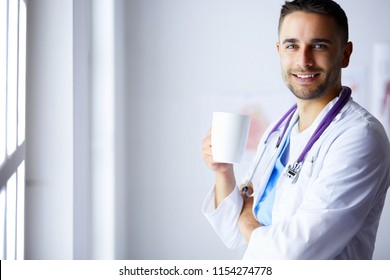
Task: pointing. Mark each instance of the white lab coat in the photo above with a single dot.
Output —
(333, 210)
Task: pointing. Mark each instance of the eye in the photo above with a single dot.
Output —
(320, 46)
(291, 46)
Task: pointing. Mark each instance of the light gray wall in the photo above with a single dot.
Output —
(177, 52)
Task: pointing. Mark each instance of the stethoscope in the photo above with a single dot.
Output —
(294, 169)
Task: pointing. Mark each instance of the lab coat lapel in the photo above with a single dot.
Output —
(269, 160)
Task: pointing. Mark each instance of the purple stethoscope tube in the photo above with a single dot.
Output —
(294, 169)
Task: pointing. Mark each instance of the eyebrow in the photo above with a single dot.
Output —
(313, 41)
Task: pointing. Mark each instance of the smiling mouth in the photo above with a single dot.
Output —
(306, 77)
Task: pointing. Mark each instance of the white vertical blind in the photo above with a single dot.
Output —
(12, 114)
(22, 73)
(3, 78)
(20, 200)
(12, 76)
(103, 132)
(11, 217)
(2, 223)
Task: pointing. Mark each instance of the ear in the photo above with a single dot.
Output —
(347, 54)
(278, 47)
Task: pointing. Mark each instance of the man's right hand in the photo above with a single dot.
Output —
(208, 157)
(224, 173)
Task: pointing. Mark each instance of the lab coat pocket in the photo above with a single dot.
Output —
(289, 195)
(307, 168)
(285, 200)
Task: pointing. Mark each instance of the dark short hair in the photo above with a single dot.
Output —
(324, 7)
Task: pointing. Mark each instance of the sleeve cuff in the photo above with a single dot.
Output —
(209, 204)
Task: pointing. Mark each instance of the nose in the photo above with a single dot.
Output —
(305, 57)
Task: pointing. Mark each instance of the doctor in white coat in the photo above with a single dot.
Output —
(319, 193)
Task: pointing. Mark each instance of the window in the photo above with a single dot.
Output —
(12, 127)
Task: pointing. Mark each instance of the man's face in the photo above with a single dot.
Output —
(311, 54)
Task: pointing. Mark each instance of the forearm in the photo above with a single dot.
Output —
(225, 182)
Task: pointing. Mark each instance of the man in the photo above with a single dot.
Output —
(320, 193)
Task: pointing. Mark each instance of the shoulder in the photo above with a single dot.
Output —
(356, 138)
(358, 122)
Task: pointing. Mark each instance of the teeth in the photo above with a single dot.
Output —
(305, 76)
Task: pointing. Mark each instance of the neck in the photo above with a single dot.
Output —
(308, 110)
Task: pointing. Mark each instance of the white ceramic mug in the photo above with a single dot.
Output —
(229, 135)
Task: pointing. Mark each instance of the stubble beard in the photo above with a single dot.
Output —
(329, 81)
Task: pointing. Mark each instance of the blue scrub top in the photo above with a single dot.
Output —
(263, 209)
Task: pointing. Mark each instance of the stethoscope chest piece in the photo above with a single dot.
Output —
(293, 171)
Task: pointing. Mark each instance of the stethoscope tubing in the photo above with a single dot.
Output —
(295, 168)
